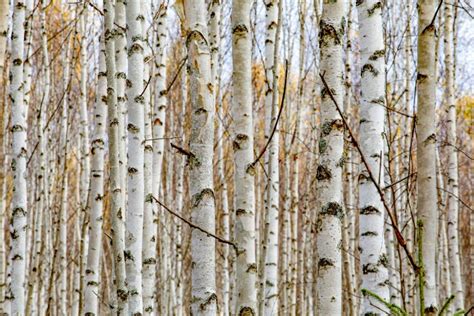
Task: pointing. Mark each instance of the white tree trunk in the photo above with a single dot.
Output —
(116, 188)
(4, 19)
(373, 258)
(426, 142)
(297, 288)
(443, 277)
(121, 65)
(201, 186)
(244, 191)
(270, 290)
(85, 173)
(27, 69)
(216, 66)
(93, 279)
(149, 216)
(180, 206)
(4, 22)
(46, 221)
(3, 216)
(135, 153)
(64, 207)
(18, 164)
(329, 171)
(453, 181)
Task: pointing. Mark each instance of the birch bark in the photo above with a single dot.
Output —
(453, 179)
(121, 68)
(135, 157)
(201, 186)
(64, 207)
(244, 194)
(270, 290)
(216, 66)
(426, 142)
(149, 216)
(93, 280)
(116, 188)
(4, 9)
(329, 170)
(161, 102)
(180, 204)
(18, 164)
(371, 226)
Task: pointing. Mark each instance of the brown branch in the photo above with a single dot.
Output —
(398, 181)
(182, 151)
(146, 86)
(160, 138)
(457, 198)
(458, 149)
(434, 16)
(398, 234)
(183, 62)
(192, 225)
(277, 119)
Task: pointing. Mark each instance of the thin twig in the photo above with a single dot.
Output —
(160, 138)
(457, 198)
(192, 225)
(277, 119)
(434, 16)
(146, 86)
(458, 149)
(182, 151)
(398, 181)
(183, 62)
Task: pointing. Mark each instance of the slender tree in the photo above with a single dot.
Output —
(4, 17)
(215, 11)
(149, 216)
(426, 142)
(116, 188)
(331, 161)
(135, 153)
(244, 194)
(64, 206)
(92, 282)
(372, 115)
(270, 290)
(201, 142)
(18, 163)
(453, 179)
(121, 66)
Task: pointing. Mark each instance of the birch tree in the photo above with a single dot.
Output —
(64, 206)
(121, 68)
(135, 153)
(372, 246)
(92, 282)
(270, 290)
(4, 19)
(244, 194)
(426, 142)
(216, 68)
(117, 209)
(453, 180)
(329, 171)
(19, 208)
(149, 216)
(201, 142)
